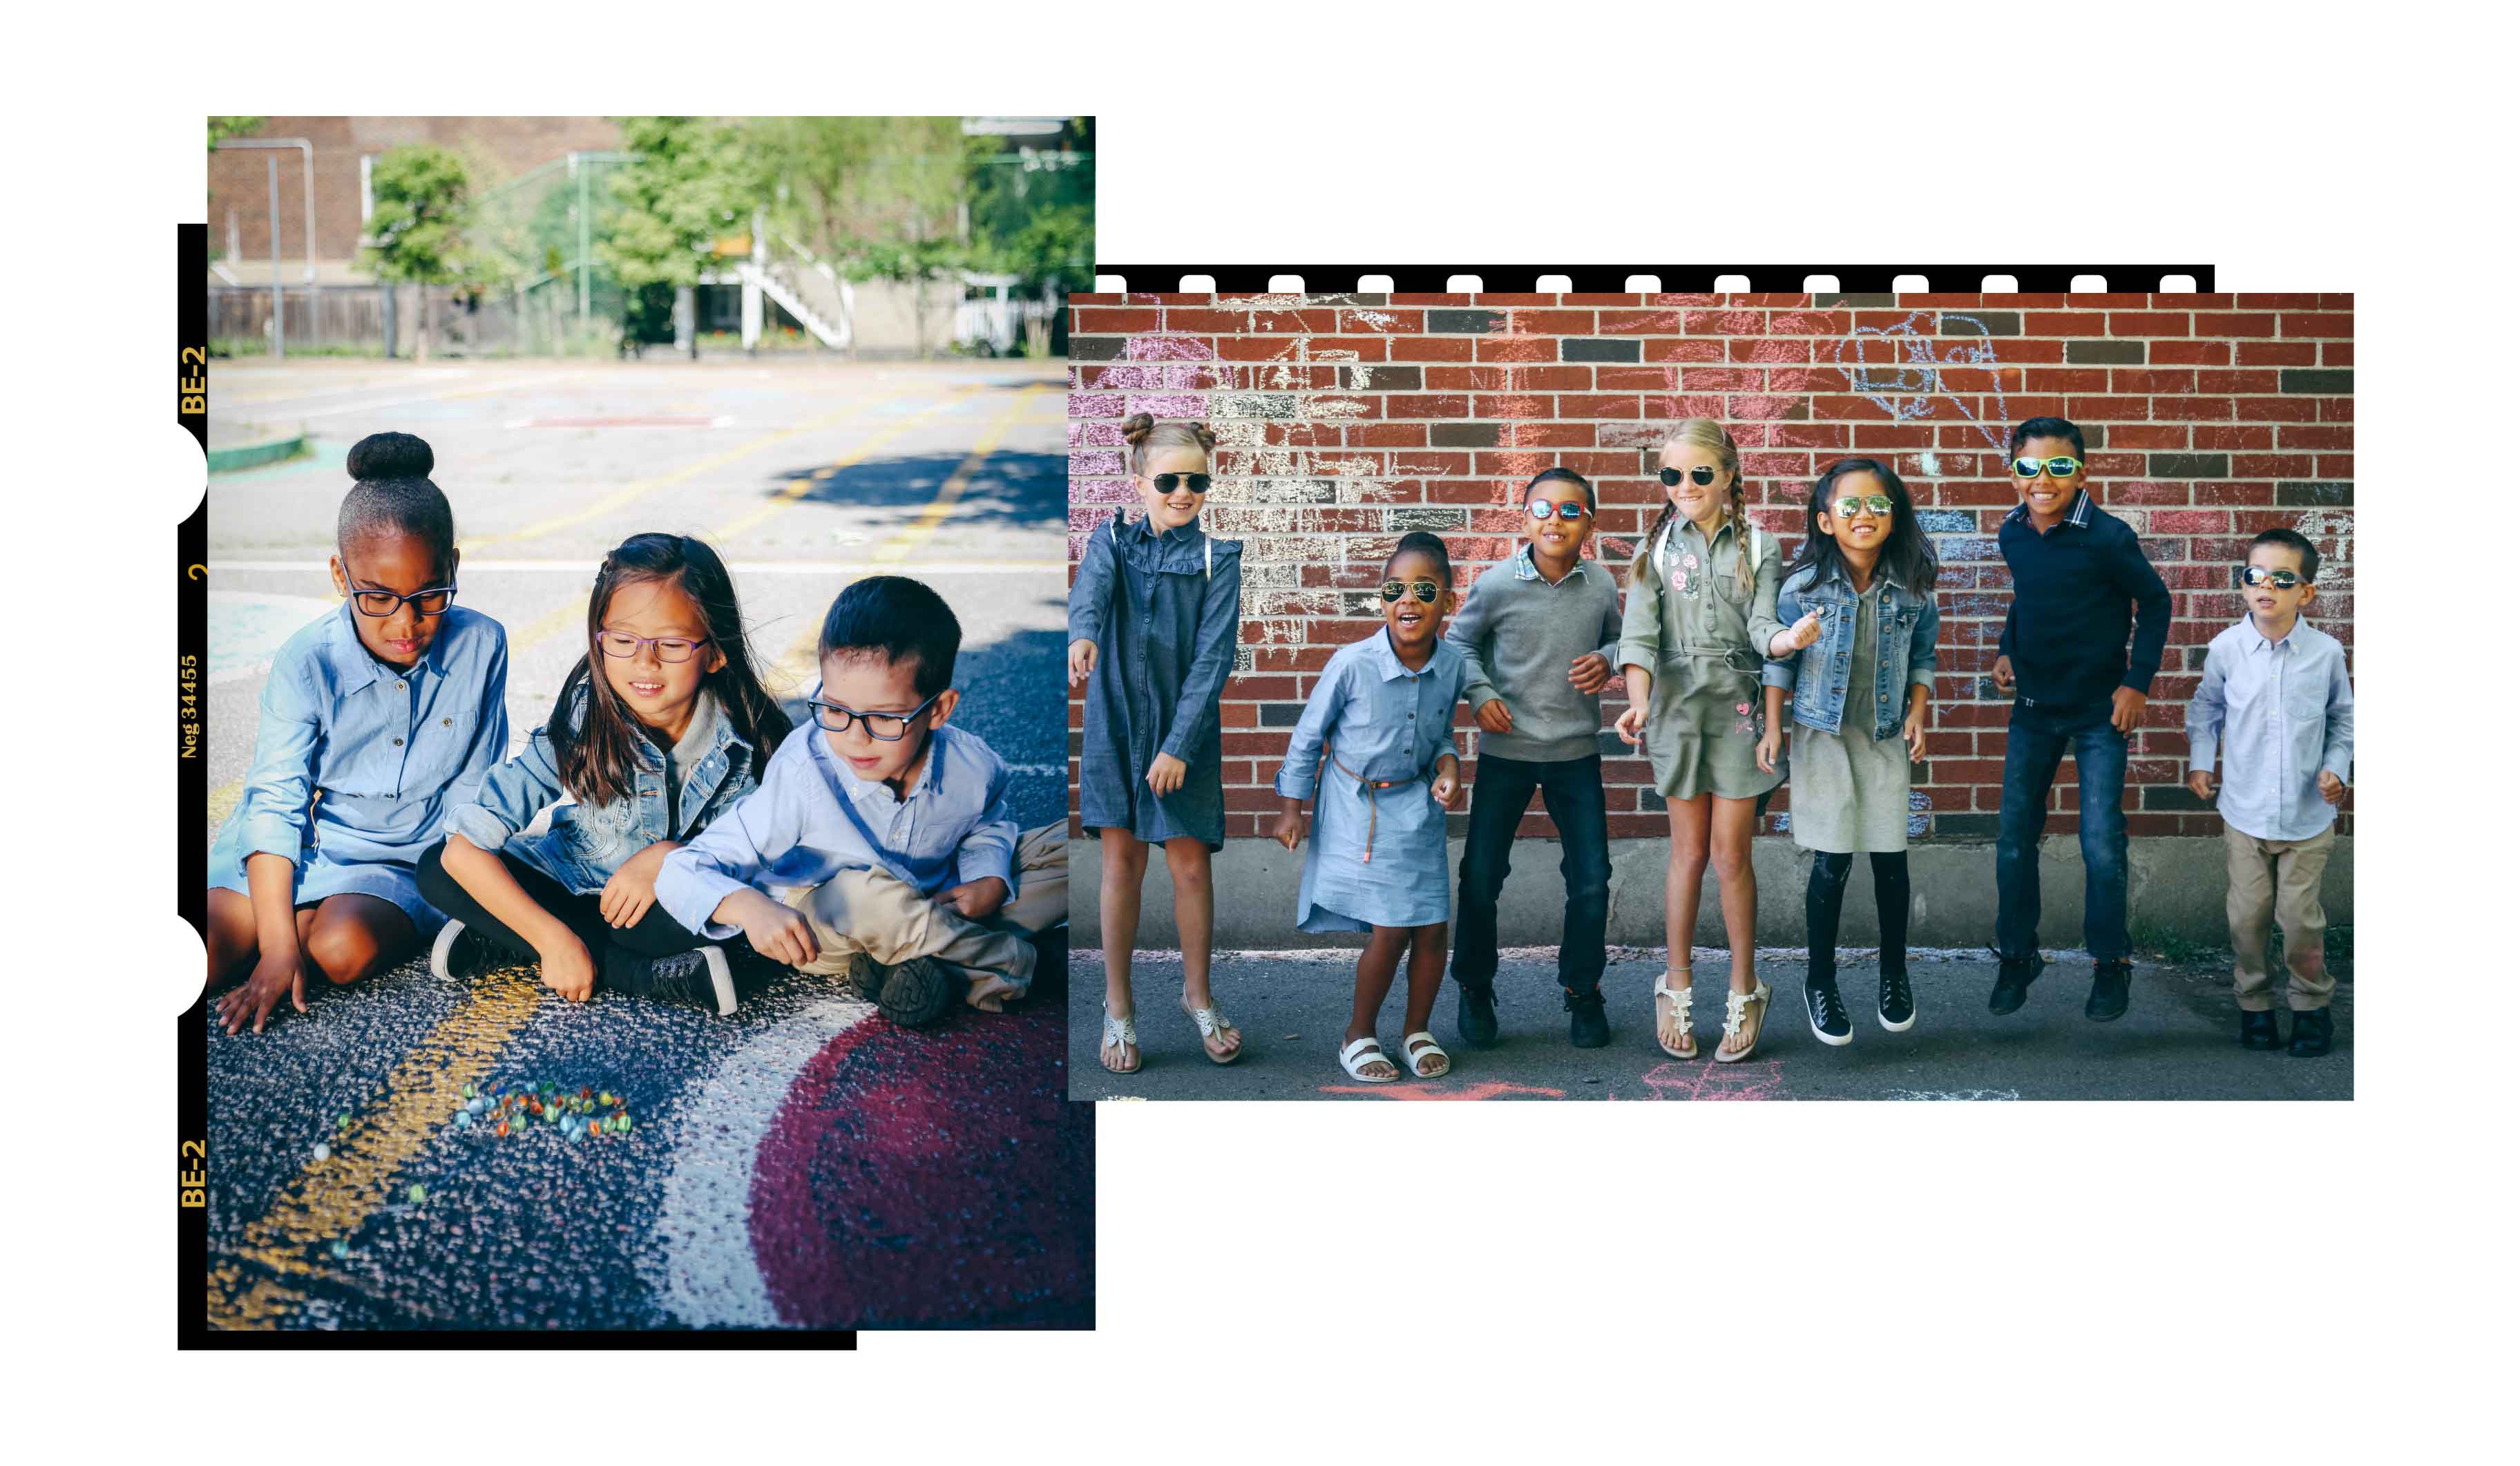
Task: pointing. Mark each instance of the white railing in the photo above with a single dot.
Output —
(999, 323)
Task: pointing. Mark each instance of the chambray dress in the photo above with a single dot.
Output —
(1166, 614)
(1372, 720)
(1704, 638)
(392, 753)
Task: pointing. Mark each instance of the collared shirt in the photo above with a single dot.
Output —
(2077, 588)
(813, 817)
(2282, 712)
(391, 749)
(1381, 721)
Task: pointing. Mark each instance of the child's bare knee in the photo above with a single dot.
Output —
(341, 950)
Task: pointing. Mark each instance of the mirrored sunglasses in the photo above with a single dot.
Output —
(1565, 509)
(2056, 468)
(1425, 590)
(1878, 504)
(2259, 575)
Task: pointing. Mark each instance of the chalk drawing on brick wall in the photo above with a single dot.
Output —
(2332, 531)
(1898, 369)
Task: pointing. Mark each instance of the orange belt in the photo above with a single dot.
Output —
(1373, 800)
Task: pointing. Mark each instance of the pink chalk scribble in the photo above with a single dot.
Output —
(1485, 1089)
(1704, 1079)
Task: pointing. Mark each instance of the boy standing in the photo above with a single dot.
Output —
(2279, 686)
(886, 830)
(1540, 634)
(2079, 579)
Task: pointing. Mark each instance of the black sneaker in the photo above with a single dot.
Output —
(1898, 1009)
(1585, 1025)
(2312, 1031)
(1475, 1013)
(2258, 1031)
(2012, 980)
(698, 976)
(460, 954)
(919, 992)
(861, 977)
(1828, 1020)
(2108, 1000)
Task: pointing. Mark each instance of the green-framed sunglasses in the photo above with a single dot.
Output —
(2058, 468)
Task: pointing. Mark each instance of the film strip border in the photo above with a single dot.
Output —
(1735, 278)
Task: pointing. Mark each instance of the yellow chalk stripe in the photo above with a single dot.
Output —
(333, 1197)
(630, 494)
(796, 488)
(916, 532)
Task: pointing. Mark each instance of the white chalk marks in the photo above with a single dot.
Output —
(1952, 1094)
(1898, 369)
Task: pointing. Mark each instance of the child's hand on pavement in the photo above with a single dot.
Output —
(975, 900)
(275, 976)
(568, 970)
(1589, 674)
(1495, 716)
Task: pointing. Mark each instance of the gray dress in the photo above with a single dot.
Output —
(1851, 789)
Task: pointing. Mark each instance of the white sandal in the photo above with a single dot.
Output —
(1122, 1033)
(1736, 1008)
(1360, 1052)
(1211, 1021)
(1680, 997)
(1414, 1047)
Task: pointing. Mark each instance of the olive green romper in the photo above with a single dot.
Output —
(1703, 637)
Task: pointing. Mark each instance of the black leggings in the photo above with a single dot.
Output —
(622, 954)
(1826, 894)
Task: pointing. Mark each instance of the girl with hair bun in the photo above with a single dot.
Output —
(1152, 623)
(1700, 622)
(378, 720)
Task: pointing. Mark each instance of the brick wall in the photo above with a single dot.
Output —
(1344, 420)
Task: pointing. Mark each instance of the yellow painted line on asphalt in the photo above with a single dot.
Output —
(332, 1198)
(796, 488)
(632, 493)
(916, 532)
(793, 673)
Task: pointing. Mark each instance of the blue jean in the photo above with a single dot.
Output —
(2035, 744)
(1571, 792)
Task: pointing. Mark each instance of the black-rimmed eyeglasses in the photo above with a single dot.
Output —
(884, 727)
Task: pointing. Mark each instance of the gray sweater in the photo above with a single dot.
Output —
(1521, 635)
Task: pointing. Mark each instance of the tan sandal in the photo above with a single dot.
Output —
(1121, 1034)
(1737, 1017)
(1680, 997)
(1212, 1022)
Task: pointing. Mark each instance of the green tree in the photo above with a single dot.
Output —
(692, 183)
(886, 198)
(223, 128)
(423, 206)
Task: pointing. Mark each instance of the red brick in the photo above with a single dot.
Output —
(2192, 353)
(1376, 321)
(2211, 324)
(1117, 320)
(1638, 323)
(2123, 323)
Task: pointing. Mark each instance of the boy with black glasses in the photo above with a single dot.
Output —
(884, 832)
(2277, 697)
(2079, 579)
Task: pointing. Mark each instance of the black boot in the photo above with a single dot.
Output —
(1586, 1025)
(2012, 980)
(2312, 1032)
(1828, 1021)
(2108, 1000)
(1475, 1013)
(2257, 1030)
(1898, 1010)
(919, 992)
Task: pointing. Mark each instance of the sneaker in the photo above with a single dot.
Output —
(1898, 1003)
(2312, 1031)
(861, 977)
(2258, 1031)
(1828, 1020)
(460, 954)
(919, 992)
(2012, 980)
(700, 977)
(2108, 1000)
(1475, 1013)
(1587, 1026)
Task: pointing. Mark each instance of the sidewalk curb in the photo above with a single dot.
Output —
(256, 455)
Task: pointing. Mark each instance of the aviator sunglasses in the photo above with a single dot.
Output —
(1878, 504)
(1425, 590)
(2259, 575)
(1166, 483)
(2058, 468)
(1701, 475)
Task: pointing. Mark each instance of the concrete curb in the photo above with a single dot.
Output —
(256, 455)
(2174, 888)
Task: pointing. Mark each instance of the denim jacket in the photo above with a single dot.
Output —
(587, 842)
(1816, 675)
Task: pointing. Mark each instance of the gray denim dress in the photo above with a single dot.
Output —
(1166, 614)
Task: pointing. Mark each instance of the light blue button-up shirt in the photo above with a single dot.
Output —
(1381, 721)
(813, 818)
(2282, 712)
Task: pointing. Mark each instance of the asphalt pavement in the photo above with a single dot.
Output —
(2178, 1040)
(804, 1163)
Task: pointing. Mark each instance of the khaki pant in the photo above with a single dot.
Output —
(2278, 880)
(883, 916)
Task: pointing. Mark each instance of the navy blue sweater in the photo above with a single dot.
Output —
(2075, 590)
